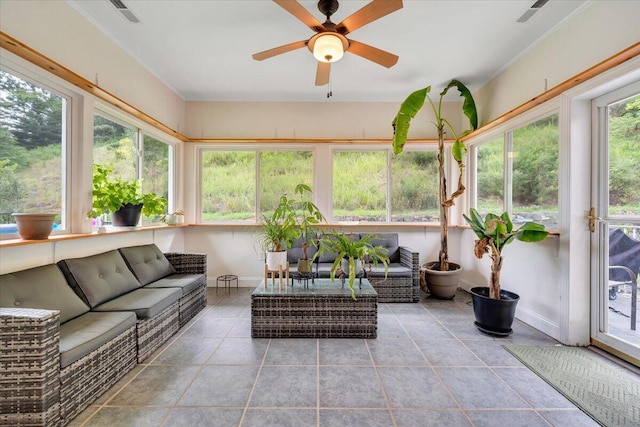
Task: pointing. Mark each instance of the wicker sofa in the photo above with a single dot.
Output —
(69, 331)
(402, 283)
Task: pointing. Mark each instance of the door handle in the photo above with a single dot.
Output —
(592, 217)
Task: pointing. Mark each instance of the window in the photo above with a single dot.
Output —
(360, 186)
(624, 156)
(415, 187)
(534, 172)
(33, 143)
(155, 168)
(228, 186)
(133, 155)
(490, 177)
(527, 185)
(280, 172)
(229, 180)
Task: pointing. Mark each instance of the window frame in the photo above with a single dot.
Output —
(70, 98)
(506, 130)
(201, 149)
(141, 130)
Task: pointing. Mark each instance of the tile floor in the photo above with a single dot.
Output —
(429, 366)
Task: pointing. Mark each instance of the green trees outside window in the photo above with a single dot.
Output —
(32, 145)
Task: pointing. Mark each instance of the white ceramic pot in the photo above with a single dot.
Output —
(276, 259)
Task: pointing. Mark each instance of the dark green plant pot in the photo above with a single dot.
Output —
(494, 317)
(127, 216)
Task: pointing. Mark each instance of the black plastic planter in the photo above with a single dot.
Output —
(494, 317)
(127, 216)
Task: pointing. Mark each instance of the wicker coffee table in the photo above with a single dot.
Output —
(324, 310)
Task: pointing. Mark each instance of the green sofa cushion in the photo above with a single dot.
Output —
(147, 262)
(146, 303)
(88, 332)
(186, 282)
(41, 287)
(99, 278)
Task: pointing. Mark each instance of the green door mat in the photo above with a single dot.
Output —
(607, 395)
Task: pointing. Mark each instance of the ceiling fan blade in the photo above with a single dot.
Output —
(297, 10)
(278, 50)
(322, 73)
(374, 54)
(369, 13)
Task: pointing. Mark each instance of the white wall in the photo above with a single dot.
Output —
(603, 29)
(56, 30)
(233, 251)
(14, 258)
(300, 120)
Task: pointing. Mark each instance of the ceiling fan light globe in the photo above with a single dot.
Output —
(328, 48)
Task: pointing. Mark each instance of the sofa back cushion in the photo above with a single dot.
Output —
(389, 241)
(294, 253)
(99, 278)
(147, 262)
(41, 287)
(331, 256)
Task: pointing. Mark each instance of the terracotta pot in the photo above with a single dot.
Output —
(442, 284)
(37, 226)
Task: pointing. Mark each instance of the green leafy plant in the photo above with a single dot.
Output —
(345, 247)
(408, 110)
(494, 233)
(294, 217)
(109, 195)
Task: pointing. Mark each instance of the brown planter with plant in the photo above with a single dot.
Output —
(442, 274)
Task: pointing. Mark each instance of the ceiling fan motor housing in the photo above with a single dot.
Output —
(328, 7)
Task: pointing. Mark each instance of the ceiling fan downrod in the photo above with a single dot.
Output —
(328, 8)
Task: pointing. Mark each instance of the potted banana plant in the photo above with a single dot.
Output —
(442, 275)
(495, 308)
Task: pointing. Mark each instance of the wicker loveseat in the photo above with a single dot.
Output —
(69, 331)
(402, 283)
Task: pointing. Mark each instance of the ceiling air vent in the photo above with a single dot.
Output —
(124, 10)
(528, 14)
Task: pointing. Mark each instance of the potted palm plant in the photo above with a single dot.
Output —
(442, 275)
(307, 217)
(494, 308)
(352, 255)
(123, 199)
(294, 217)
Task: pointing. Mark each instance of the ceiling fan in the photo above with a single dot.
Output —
(329, 43)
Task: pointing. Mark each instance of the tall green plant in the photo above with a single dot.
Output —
(401, 123)
(494, 233)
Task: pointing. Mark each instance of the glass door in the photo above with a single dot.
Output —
(615, 223)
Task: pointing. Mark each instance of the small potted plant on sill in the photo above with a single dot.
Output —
(174, 218)
(352, 255)
(495, 308)
(442, 276)
(123, 199)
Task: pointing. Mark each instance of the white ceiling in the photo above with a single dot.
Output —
(202, 48)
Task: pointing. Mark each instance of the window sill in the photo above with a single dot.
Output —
(62, 237)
